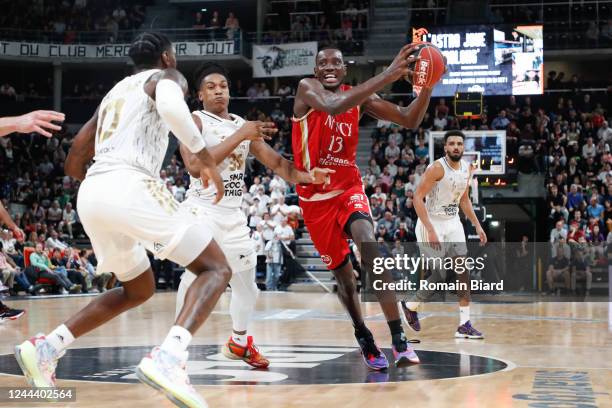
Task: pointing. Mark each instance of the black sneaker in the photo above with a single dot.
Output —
(6, 313)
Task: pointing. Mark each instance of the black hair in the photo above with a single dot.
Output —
(209, 68)
(452, 133)
(329, 47)
(147, 48)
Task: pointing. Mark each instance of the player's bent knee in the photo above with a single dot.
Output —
(346, 283)
(223, 273)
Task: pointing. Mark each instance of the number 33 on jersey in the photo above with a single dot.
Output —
(329, 141)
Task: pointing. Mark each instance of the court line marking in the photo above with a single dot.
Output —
(509, 367)
(423, 316)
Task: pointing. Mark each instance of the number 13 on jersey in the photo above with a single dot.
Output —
(336, 144)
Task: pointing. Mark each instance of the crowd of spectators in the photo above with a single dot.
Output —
(42, 200)
(61, 19)
(34, 189)
(568, 141)
(343, 24)
(213, 24)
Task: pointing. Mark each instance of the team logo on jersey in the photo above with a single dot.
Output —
(326, 259)
(356, 197)
(157, 246)
(345, 129)
(235, 162)
(289, 364)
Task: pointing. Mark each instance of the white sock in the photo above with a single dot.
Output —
(464, 314)
(60, 338)
(413, 306)
(240, 339)
(177, 340)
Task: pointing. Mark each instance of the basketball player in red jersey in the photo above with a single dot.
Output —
(325, 134)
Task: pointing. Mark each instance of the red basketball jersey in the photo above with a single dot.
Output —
(328, 141)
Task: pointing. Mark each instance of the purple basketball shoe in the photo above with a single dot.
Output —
(372, 356)
(467, 331)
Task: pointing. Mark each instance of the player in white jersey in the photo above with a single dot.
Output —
(125, 209)
(439, 231)
(230, 149)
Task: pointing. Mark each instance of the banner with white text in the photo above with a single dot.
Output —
(78, 51)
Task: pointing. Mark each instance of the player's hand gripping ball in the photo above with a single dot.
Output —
(429, 67)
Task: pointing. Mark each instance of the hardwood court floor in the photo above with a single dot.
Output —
(554, 352)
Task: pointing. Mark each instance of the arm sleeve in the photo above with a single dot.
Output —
(172, 108)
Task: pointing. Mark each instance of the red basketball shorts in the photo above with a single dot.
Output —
(326, 220)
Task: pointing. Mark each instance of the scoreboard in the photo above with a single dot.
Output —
(492, 60)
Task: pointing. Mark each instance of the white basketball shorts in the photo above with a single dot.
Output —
(126, 211)
(229, 229)
(450, 234)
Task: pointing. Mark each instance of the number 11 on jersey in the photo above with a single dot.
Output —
(112, 110)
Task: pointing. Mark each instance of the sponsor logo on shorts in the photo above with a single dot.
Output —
(326, 259)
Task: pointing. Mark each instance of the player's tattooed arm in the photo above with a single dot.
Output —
(431, 176)
(285, 168)
(409, 116)
(82, 150)
(312, 94)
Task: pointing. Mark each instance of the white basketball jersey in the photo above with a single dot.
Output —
(215, 130)
(130, 133)
(443, 199)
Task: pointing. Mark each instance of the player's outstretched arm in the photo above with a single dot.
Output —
(409, 116)
(39, 121)
(466, 206)
(311, 92)
(168, 89)
(431, 176)
(251, 130)
(285, 168)
(82, 150)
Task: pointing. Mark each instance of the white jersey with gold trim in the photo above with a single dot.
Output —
(443, 199)
(214, 130)
(130, 133)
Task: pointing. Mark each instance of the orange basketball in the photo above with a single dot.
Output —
(430, 66)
